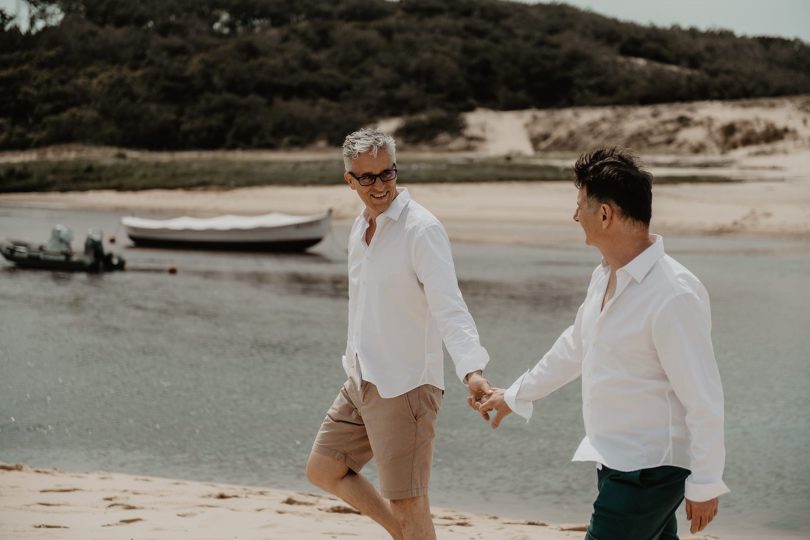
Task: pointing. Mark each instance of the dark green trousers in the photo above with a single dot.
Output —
(637, 505)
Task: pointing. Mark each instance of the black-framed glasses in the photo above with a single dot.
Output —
(369, 179)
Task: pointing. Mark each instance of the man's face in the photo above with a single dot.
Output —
(378, 196)
(587, 215)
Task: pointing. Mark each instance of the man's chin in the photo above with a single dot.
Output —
(381, 204)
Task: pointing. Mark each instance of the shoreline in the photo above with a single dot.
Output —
(111, 506)
(475, 211)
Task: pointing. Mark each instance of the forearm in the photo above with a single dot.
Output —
(558, 367)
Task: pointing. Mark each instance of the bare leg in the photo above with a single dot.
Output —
(335, 477)
(413, 515)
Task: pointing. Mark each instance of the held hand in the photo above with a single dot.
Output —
(701, 513)
(497, 403)
(479, 389)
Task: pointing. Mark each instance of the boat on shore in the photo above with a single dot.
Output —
(269, 232)
(58, 253)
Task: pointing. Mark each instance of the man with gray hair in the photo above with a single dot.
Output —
(404, 301)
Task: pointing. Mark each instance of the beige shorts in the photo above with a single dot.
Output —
(397, 432)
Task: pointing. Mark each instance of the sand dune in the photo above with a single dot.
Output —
(744, 127)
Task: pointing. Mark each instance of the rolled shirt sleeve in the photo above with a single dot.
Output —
(682, 338)
(433, 264)
(559, 366)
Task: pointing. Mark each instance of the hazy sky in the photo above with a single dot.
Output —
(786, 18)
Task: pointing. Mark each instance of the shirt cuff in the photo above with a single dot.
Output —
(522, 407)
(704, 492)
(478, 360)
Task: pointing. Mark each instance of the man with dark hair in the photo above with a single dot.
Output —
(652, 401)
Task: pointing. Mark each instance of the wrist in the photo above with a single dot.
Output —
(478, 372)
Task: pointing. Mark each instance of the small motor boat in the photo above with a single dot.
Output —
(58, 253)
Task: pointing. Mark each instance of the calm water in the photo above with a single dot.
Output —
(223, 372)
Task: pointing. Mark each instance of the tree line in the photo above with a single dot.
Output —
(182, 74)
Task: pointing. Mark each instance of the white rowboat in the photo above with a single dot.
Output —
(270, 232)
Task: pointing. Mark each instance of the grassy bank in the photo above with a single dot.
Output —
(135, 174)
(123, 173)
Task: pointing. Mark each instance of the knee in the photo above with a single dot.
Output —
(323, 472)
(406, 509)
(316, 473)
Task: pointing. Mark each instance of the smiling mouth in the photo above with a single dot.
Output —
(379, 197)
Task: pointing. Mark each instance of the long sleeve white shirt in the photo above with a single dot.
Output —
(404, 301)
(651, 392)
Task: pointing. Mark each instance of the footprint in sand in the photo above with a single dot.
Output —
(340, 509)
(47, 504)
(456, 524)
(46, 526)
(124, 506)
(531, 523)
(123, 522)
(187, 514)
(221, 496)
(291, 500)
(59, 490)
(450, 518)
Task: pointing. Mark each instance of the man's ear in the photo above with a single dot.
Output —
(348, 178)
(607, 214)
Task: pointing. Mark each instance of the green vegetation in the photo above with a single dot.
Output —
(136, 174)
(182, 74)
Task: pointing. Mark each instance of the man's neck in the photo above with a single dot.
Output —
(618, 254)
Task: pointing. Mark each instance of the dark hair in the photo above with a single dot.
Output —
(611, 174)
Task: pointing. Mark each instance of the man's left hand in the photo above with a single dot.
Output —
(495, 402)
(701, 513)
(479, 388)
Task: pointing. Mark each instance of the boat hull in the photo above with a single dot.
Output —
(290, 246)
(23, 255)
(45, 264)
(232, 233)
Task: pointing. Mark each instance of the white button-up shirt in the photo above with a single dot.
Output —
(404, 300)
(651, 392)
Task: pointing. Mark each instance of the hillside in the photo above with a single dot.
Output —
(199, 74)
(701, 128)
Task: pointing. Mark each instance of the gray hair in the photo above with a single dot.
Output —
(369, 140)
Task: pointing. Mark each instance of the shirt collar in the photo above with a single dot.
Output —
(396, 207)
(639, 267)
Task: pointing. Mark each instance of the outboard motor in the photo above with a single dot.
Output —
(94, 249)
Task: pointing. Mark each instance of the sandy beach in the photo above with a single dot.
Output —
(48, 503)
(479, 212)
